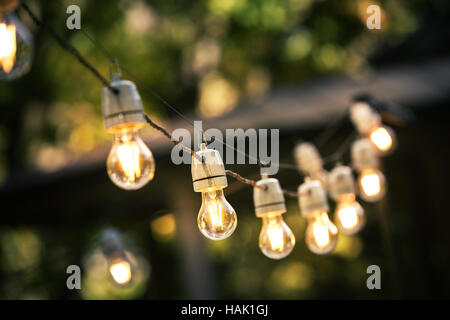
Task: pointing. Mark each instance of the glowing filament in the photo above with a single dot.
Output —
(215, 214)
(7, 47)
(371, 184)
(381, 138)
(129, 156)
(348, 217)
(120, 271)
(276, 238)
(321, 236)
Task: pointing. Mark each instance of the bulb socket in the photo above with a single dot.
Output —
(364, 155)
(364, 118)
(124, 109)
(308, 159)
(269, 200)
(341, 182)
(312, 197)
(208, 170)
(111, 242)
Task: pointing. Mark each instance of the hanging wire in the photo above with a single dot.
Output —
(339, 153)
(168, 135)
(114, 63)
(252, 183)
(102, 48)
(105, 52)
(68, 47)
(287, 166)
(322, 139)
(330, 130)
(244, 180)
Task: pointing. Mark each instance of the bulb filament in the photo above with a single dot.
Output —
(128, 153)
(215, 212)
(7, 47)
(275, 235)
(381, 138)
(120, 271)
(371, 184)
(348, 217)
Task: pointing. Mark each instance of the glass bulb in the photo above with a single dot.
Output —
(349, 216)
(371, 185)
(16, 48)
(382, 138)
(321, 233)
(276, 239)
(120, 270)
(216, 218)
(130, 162)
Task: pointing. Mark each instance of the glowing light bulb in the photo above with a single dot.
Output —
(321, 233)
(16, 48)
(120, 271)
(371, 185)
(216, 218)
(382, 138)
(276, 239)
(349, 216)
(130, 162)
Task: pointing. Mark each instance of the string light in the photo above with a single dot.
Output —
(349, 215)
(310, 163)
(131, 165)
(216, 219)
(16, 43)
(276, 239)
(321, 234)
(371, 181)
(368, 124)
(130, 162)
(120, 263)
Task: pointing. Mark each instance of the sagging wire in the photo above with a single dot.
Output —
(75, 52)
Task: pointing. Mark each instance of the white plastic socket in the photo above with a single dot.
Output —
(270, 200)
(364, 155)
(208, 170)
(124, 109)
(312, 197)
(341, 182)
(364, 118)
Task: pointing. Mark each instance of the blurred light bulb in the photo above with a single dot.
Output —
(349, 216)
(321, 233)
(120, 270)
(276, 239)
(371, 185)
(130, 162)
(16, 48)
(216, 218)
(382, 138)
